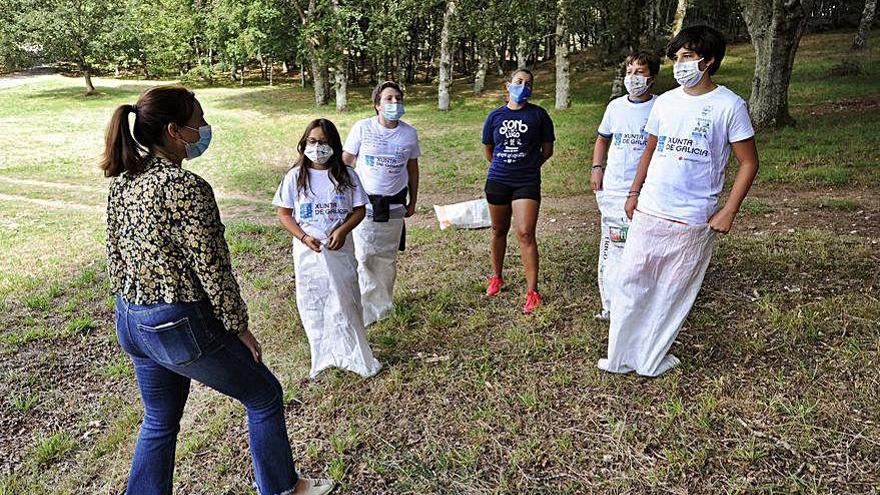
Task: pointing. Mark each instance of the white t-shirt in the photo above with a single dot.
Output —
(320, 209)
(694, 133)
(624, 123)
(382, 154)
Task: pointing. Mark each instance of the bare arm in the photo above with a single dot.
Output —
(412, 167)
(348, 158)
(285, 216)
(547, 150)
(337, 237)
(747, 155)
(600, 155)
(487, 152)
(641, 173)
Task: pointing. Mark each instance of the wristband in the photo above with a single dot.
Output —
(303, 238)
(598, 166)
(633, 194)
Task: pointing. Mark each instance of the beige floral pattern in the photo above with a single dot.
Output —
(165, 243)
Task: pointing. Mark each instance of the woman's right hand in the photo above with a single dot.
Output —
(631, 203)
(312, 243)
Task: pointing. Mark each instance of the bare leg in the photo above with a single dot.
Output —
(500, 215)
(525, 211)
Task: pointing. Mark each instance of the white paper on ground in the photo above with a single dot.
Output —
(467, 215)
(329, 304)
(661, 271)
(376, 247)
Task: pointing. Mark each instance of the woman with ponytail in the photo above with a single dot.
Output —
(179, 312)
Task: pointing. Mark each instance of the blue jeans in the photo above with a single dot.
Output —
(169, 344)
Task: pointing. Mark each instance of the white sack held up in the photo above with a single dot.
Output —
(329, 303)
(615, 226)
(376, 247)
(466, 215)
(661, 272)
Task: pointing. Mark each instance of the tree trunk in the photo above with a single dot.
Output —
(90, 88)
(680, 13)
(271, 70)
(482, 68)
(776, 27)
(342, 85)
(861, 39)
(445, 58)
(563, 98)
(522, 54)
(617, 87)
(319, 81)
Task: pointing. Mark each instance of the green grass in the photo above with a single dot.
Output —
(53, 448)
(778, 356)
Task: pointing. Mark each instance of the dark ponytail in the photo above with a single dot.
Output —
(122, 153)
(155, 109)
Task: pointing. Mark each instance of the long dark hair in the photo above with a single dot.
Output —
(155, 109)
(338, 168)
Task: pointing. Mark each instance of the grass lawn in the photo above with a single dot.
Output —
(780, 356)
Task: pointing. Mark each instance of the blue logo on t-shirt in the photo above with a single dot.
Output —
(306, 210)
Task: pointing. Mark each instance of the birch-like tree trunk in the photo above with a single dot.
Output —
(445, 58)
(522, 53)
(776, 27)
(482, 68)
(861, 39)
(680, 14)
(563, 98)
(342, 85)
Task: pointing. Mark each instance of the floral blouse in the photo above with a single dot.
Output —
(165, 242)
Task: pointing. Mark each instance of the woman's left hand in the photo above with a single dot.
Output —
(336, 239)
(248, 339)
(721, 221)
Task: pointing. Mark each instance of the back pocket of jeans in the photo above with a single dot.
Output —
(171, 343)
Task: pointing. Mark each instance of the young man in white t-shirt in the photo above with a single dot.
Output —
(673, 203)
(620, 141)
(385, 152)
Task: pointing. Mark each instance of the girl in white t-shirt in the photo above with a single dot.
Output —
(320, 201)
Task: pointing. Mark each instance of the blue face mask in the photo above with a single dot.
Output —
(392, 111)
(195, 150)
(519, 92)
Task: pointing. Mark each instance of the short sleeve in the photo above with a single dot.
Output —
(605, 126)
(359, 194)
(548, 134)
(652, 126)
(739, 126)
(285, 196)
(353, 140)
(416, 149)
(488, 130)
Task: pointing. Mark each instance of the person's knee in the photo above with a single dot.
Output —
(500, 231)
(526, 237)
(269, 400)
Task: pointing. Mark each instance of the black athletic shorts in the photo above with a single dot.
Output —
(500, 194)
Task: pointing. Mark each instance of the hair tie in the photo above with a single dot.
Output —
(134, 108)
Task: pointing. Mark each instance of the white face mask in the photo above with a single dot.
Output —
(636, 85)
(318, 153)
(688, 74)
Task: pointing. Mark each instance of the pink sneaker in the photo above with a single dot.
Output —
(533, 300)
(495, 284)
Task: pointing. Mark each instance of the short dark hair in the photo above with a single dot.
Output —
(650, 60)
(382, 86)
(524, 71)
(706, 41)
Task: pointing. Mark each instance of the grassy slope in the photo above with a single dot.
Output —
(780, 355)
